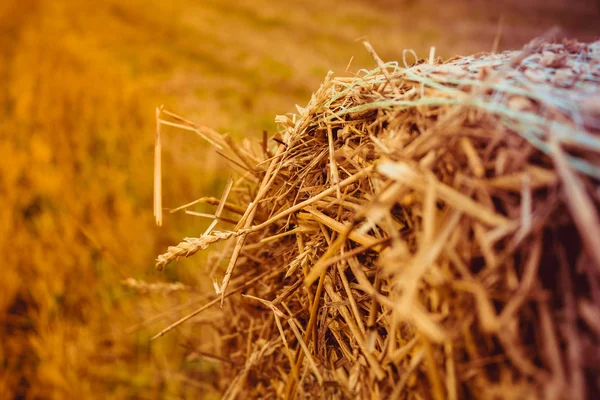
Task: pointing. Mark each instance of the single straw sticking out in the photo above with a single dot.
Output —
(498, 36)
(221, 205)
(431, 55)
(157, 172)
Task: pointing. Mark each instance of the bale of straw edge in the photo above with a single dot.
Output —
(416, 231)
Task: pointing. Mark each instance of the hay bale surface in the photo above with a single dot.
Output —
(426, 231)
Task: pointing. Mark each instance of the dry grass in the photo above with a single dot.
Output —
(422, 230)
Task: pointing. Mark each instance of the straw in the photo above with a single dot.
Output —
(428, 230)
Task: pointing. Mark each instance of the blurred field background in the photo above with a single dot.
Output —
(79, 85)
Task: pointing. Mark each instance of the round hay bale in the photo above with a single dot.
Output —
(418, 231)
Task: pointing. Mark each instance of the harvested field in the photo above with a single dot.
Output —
(80, 297)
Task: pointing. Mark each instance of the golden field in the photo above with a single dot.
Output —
(80, 83)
